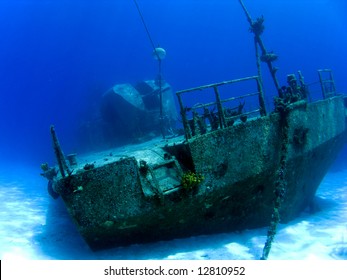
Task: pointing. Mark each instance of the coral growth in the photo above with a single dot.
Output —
(191, 180)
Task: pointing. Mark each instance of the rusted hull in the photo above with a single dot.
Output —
(123, 201)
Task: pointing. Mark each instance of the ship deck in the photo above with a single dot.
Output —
(144, 150)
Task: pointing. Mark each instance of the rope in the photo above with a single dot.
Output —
(159, 66)
(146, 28)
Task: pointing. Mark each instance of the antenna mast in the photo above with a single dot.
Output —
(159, 54)
(257, 28)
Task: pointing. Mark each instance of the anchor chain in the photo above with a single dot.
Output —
(281, 184)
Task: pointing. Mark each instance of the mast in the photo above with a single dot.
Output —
(59, 154)
(257, 28)
(159, 56)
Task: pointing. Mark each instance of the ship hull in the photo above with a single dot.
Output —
(136, 195)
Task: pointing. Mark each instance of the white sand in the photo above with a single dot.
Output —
(34, 226)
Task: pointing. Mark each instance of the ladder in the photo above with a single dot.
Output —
(327, 83)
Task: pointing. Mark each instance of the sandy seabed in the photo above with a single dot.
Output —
(34, 226)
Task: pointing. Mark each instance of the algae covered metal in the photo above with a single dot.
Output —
(135, 193)
(235, 165)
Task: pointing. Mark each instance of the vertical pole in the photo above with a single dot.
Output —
(161, 99)
(321, 83)
(187, 132)
(220, 108)
(272, 69)
(249, 18)
(261, 98)
(259, 81)
(262, 47)
(332, 82)
(303, 88)
(59, 153)
(196, 125)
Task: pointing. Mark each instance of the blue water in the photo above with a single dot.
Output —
(57, 58)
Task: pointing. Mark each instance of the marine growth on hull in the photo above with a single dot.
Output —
(226, 161)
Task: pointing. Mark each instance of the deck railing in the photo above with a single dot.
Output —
(224, 116)
(323, 88)
(327, 83)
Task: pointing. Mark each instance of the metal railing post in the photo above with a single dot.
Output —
(187, 132)
(220, 108)
(261, 97)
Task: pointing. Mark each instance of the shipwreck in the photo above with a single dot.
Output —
(234, 167)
